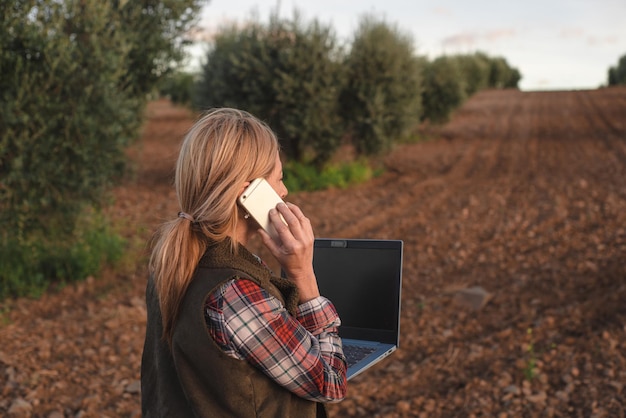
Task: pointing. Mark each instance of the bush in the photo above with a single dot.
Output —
(29, 267)
(617, 74)
(285, 73)
(299, 176)
(381, 100)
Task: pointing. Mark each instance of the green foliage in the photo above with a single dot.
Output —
(75, 78)
(444, 89)
(449, 80)
(178, 86)
(63, 120)
(381, 99)
(302, 176)
(153, 32)
(284, 72)
(475, 71)
(617, 74)
(480, 71)
(295, 77)
(29, 267)
(530, 369)
(501, 75)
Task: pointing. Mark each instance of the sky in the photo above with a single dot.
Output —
(555, 44)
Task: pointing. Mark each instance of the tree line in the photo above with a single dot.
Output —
(75, 76)
(318, 94)
(617, 74)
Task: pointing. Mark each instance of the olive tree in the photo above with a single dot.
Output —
(381, 100)
(444, 89)
(285, 72)
(617, 74)
(74, 79)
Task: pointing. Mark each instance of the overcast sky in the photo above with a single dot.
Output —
(555, 44)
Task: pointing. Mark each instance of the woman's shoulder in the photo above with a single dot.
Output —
(242, 292)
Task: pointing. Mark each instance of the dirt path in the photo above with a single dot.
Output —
(523, 194)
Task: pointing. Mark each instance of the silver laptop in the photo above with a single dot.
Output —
(363, 279)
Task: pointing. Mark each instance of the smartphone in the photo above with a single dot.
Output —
(257, 199)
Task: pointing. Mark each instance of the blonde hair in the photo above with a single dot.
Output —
(222, 150)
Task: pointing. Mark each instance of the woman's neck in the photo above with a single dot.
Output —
(243, 232)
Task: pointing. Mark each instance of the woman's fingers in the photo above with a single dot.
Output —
(269, 242)
(294, 246)
(298, 226)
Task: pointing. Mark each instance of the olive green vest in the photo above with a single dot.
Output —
(196, 378)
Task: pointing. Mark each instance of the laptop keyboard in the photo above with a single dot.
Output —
(354, 353)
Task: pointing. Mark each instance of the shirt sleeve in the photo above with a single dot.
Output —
(302, 353)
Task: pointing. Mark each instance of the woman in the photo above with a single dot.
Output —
(225, 337)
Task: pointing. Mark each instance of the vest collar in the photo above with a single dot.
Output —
(220, 255)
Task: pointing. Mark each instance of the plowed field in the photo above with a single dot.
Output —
(522, 194)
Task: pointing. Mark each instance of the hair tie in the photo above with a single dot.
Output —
(186, 216)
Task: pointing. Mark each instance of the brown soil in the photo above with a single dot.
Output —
(522, 194)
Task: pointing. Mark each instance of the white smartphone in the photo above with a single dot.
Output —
(257, 199)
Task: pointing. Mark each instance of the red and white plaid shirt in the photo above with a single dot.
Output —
(302, 353)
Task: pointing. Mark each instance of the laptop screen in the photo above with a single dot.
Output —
(363, 280)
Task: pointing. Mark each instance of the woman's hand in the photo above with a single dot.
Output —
(294, 252)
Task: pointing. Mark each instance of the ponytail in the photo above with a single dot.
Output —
(176, 253)
(221, 151)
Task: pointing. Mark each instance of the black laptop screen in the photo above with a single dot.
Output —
(362, 278)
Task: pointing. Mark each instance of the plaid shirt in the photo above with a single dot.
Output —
(301, 353)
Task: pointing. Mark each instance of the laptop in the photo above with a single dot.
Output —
(363, 279)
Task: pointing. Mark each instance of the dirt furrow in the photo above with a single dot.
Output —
(604, 130)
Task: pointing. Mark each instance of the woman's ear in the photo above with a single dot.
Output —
(246, 184)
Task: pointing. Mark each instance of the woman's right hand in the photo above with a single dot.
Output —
(294, 252)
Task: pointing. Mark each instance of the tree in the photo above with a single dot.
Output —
(449, 80)
(444, 89)
(475, 71)
(617, 74)
(502, 75)
(178, 86)
(74, 82)
(154, 31)
(381, 99)
(287, 73)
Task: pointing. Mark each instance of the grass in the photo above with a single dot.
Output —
(4, 316)
(530, 370)
(30, 266)
(305, 177)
